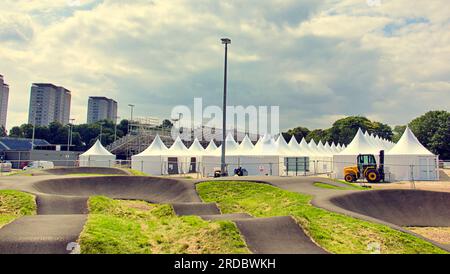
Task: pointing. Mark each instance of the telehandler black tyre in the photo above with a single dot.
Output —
(373, 176)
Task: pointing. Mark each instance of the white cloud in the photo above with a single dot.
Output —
(309, 57)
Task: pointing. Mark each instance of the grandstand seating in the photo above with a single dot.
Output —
(20, 144)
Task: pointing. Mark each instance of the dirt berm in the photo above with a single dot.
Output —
(152, 189)
(400, 207)
(85, 170)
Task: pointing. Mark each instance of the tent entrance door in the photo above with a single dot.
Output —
(427, 169)
(193, 165)
(173, 165)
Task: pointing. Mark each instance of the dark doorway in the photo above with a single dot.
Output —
(193, 165)
(173, 165)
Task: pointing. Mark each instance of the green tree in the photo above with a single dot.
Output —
(319, 135)
(16, 132)
(167, 124)
(382, 130)
(3, 132)
(123, 127)
(27, 130)
(299, 133)
(433, 131)
(398, 132)
(343, 130)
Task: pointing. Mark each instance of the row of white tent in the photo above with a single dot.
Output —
(408, 159)
(265, 146)
(265, 157)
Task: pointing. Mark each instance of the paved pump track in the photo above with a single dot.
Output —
(62, 209)
(84, 170)
(400, 207)
(62, 213)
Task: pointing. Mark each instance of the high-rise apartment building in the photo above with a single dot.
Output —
(101, 108)
(49, 103)
(4, 97)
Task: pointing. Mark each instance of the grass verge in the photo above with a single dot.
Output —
(335, 232)
(135, 227)
(352, 185)
(135, 172)
(328, 186)
(14, 204)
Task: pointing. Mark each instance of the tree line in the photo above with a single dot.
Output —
(432, 129)
(83, 135)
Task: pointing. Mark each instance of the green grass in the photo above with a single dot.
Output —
(353, 185)
(328, 186)
(136, 227)
(14, 204)
(20, 173)
(91, 175)
(348, 187)
(135, 172)
(335, 232)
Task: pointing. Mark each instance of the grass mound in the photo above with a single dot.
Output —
(347, 187)
(135, 172)
(14, 204)
(335, 232)
(136, 227)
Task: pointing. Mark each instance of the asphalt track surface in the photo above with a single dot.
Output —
(400, 207)
(62, 209)
(85, 170)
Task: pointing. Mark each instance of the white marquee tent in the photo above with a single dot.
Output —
(410, 160)
(269, 157)
(97, 156)
(153, 159)
(347, 157)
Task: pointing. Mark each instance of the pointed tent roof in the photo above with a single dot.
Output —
(409, 145)
(334, 148)
(293, 145)
(178, 148)
(369, 139)
(328, 149)
(211, 148)
(265, 146)
(97, 150)
(196, 148)
(313, 147)
(304, 148)
(359, 145)
(321, 149)
(157, 147)
(231, 146)
(246, 146)
(282, 147)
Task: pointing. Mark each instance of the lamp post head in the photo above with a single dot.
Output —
(226, 41)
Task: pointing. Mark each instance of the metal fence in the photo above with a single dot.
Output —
(301, 166)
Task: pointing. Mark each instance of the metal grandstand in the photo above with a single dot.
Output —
(23, 144)
(141, 135)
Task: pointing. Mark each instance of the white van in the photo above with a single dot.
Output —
(39, 165)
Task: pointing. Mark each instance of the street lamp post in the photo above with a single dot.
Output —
(68, 136)
(101, 132)
(71, 132)
(115, 128)
(34, 128)
(226, 42)
(131, 117)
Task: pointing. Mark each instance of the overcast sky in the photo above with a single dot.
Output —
(318, 60)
